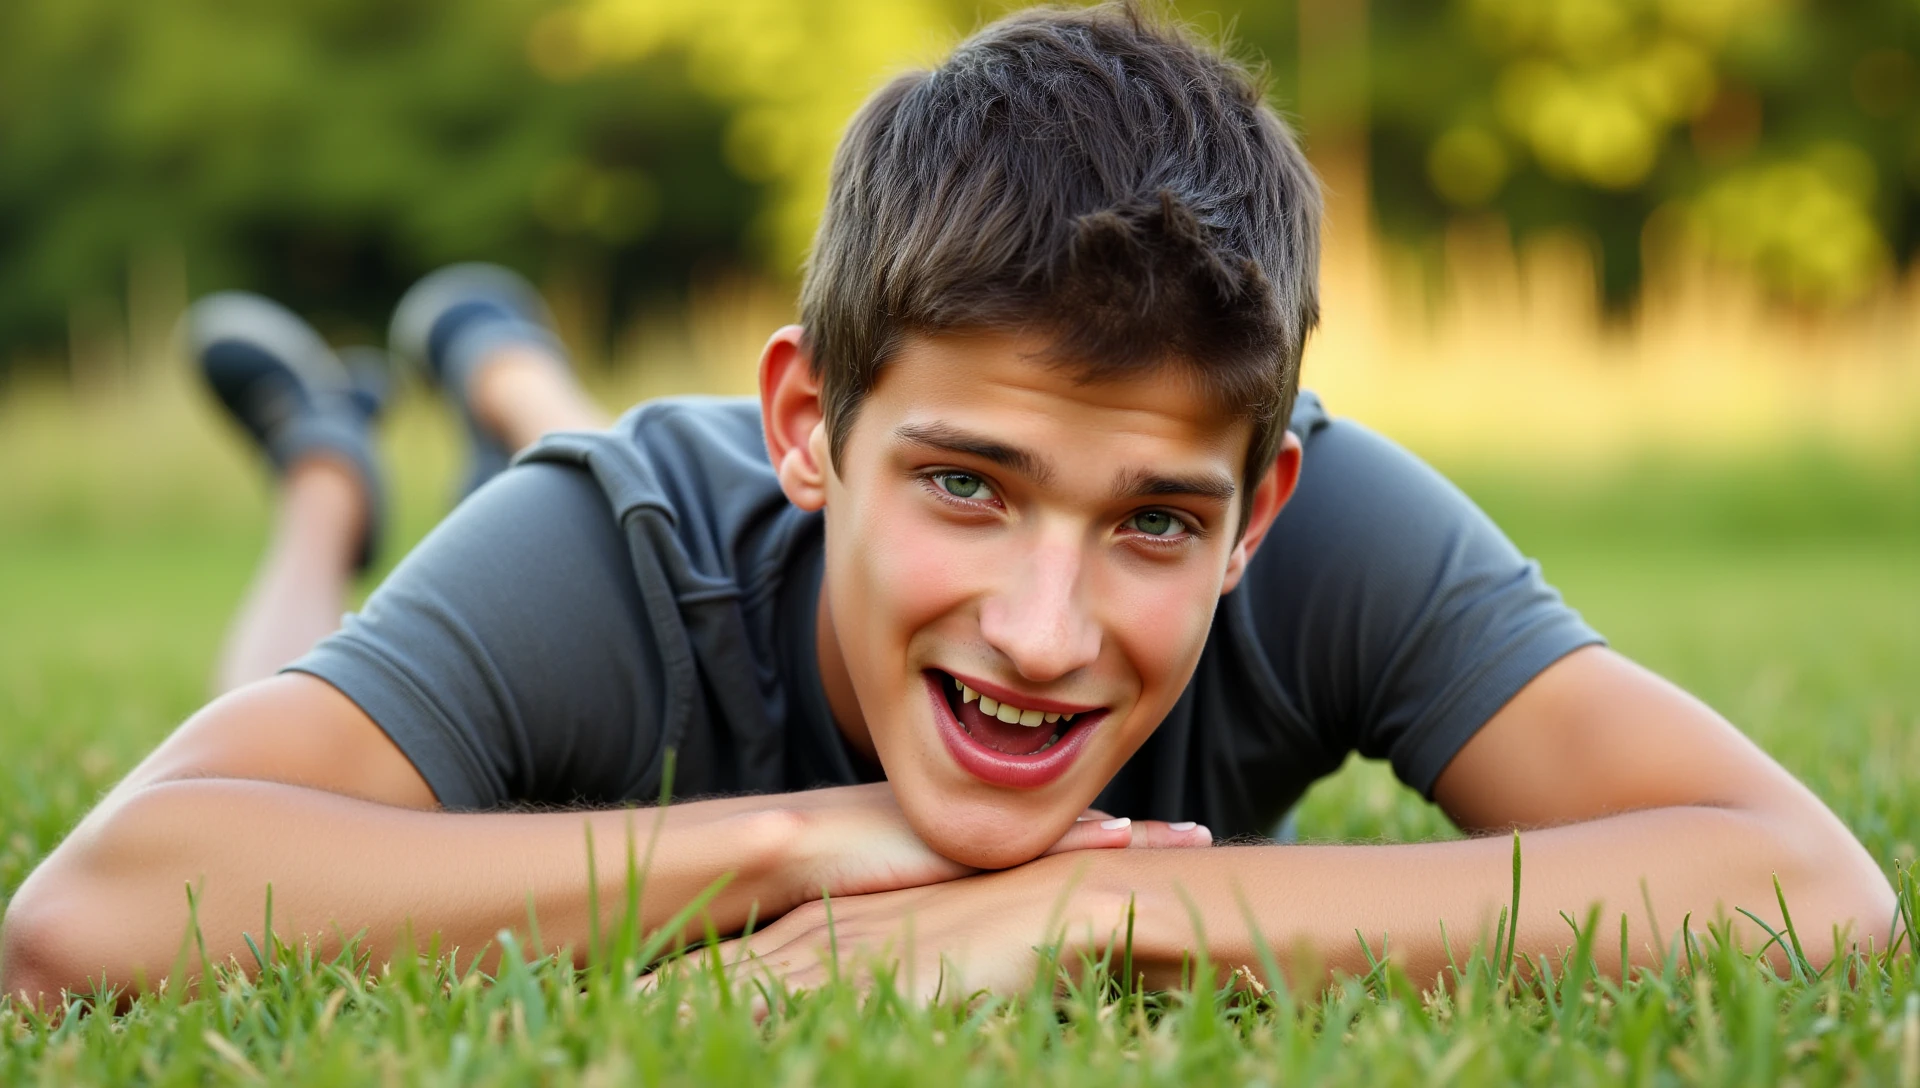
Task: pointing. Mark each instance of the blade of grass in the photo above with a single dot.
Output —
(593, 899)
(537, 946)
(717, 969)
(1499, 940)
(1774, 937)
(1446, 944)
(1793, 935)
(658, 940)
(1513, 915)
(1686, 936)
(1653, 921)
(1263, 951)
(833, 939)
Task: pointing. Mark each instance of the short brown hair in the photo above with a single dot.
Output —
(1098, 175)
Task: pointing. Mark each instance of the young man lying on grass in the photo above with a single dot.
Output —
(1027, 527)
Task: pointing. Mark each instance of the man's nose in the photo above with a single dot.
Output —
(1038, 617)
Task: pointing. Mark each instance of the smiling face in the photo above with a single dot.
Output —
(1021, 571)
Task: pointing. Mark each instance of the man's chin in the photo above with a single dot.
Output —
(990, 839)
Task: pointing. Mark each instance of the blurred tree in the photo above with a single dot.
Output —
(1780, 135)
(794, 74)
(327, 151)
(1723, 122)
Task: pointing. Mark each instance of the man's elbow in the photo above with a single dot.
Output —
(41, 954)
(1863, 912)
(73, 926)
(1832, 886)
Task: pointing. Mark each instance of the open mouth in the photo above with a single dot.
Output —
(1001, 741)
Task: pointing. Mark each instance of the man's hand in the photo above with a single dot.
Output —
(977, 933)
(855, 840)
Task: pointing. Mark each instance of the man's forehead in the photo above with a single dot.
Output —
(982, 373)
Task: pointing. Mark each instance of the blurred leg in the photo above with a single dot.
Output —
(300, 588)
(310, 415)
(520, 392)
(484, 335)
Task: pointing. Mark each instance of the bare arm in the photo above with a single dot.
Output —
(1617, 779)
(286, 782)
(1627, 782)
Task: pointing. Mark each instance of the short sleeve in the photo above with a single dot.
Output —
(1398, 615)
(506, 655)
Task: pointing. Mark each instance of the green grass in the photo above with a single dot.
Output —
(1784, 592)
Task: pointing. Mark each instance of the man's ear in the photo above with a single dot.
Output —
(794, 419)
(1275, 488)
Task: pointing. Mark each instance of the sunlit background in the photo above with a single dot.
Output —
(1637, 273)
(1558, 227)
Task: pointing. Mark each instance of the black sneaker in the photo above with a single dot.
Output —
(288, 390)
(447, 323)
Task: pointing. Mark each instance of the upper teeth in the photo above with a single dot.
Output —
(1007, 712)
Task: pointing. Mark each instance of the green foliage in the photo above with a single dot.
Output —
(1779, 135)
(327, 151)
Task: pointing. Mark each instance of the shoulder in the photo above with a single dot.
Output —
(1350, 471)
(695, 470)
(1393, 608)
(1354, 560)
(1364, 503)
(698, 434)
(1376, 541)
(502, 654)
(531, 518)
(534, 542)
(671, 453)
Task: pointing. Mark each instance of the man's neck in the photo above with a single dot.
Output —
(837, 681)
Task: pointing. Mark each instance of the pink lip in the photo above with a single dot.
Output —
(999, 768)
(1024, 701)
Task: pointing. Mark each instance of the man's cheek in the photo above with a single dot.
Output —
(919, 573)
(1163, 624)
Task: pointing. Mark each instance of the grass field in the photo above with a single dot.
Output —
(1784, 589)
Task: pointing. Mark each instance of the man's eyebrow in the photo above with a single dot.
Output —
(1142, 484)
(951, 439)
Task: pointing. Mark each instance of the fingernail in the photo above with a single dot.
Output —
(1182, 825)
(1115, 825)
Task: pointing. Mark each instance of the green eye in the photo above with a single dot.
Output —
(961, 485)
(1155, 523)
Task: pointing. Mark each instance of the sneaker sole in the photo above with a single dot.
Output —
(425, 301)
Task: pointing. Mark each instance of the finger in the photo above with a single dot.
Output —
(1161, 835)
(729, 951)
(744, 973)
(766, 988)
(1107, 834)
(696, 959)
(1095, 814)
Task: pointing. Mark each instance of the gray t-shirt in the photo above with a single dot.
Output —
(622, 593)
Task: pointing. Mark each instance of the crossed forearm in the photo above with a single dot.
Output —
(1312, 904)
(112, 903)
